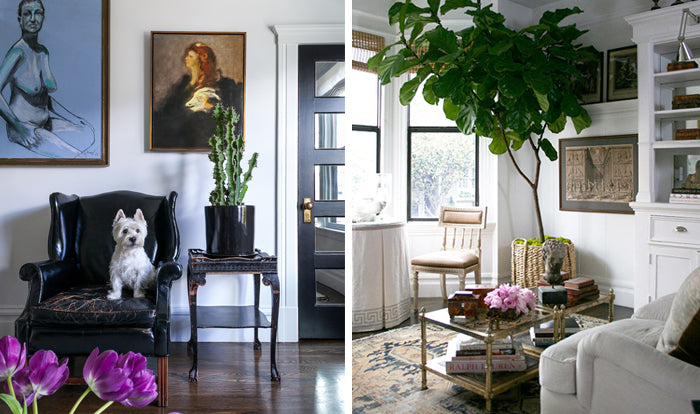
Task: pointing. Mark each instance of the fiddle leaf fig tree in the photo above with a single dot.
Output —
(510, 86)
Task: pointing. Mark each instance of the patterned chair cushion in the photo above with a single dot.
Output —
(89, 306)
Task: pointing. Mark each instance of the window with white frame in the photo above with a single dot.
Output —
(365, 100)
(442, 162)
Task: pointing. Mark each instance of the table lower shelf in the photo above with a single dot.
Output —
(231, 317)
(476, 382)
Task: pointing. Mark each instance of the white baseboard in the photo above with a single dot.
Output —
(8, 315)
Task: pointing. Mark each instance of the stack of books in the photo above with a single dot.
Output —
(685, 195)
(685, 101)
(543, 334)
(687, 133)
(468, 355)
(580, 288)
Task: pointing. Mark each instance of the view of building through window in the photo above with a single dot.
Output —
(442, 162)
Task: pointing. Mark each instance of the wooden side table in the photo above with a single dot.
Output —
(198, 265)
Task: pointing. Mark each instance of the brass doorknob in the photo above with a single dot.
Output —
(307, 205)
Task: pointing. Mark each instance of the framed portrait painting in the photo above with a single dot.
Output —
(598, 174)
(192, 72)
(54, 82)
(622, 73)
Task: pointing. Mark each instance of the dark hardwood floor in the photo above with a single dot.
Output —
(431, 304)
(235, 379)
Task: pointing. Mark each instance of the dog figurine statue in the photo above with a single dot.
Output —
(130, 265)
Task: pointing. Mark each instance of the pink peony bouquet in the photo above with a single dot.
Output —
(511, 297)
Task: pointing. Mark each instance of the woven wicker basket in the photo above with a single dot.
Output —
(527, 265)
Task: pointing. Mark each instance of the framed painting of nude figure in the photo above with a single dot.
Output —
(54, 82)
(192, 72)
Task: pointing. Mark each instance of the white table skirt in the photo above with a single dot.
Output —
(380, 278)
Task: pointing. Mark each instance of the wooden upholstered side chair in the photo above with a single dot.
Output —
(461, 248)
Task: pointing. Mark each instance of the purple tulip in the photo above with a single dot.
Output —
(45, 373)
(13, 356)
(145, 389)
(24, 392)
(105, 379)
(144, 383)
(44, 376)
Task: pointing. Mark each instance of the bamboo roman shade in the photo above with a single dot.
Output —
(364, 46)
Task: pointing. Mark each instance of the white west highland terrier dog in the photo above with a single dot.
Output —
(130, 265)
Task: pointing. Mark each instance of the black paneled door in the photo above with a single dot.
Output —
(321, 219)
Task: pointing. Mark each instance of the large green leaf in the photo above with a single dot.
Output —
(408, 90)
(558, 125)
(447, 83)
(442, 39)
(582, 121)
(516, 141)
(570, 105)
(465, 119)
(450, 109)
(389, 68)
(497, 145)
(501, 47)
(484, 123)
(538, 81)
(550, 18)
(434, 5)
(548, 149)
(428, 94)
(457, 4)
(543, 101)
(374, 61)
(12, 403)
(512, 86)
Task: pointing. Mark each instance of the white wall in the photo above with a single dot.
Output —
(604, 242)
(24, 213)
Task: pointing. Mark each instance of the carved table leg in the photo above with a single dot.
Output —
(192, 343)
(256, 343)
(273, 281)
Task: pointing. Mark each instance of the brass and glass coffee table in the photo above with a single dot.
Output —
(490, 383)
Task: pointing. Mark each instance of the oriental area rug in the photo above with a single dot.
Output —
(386, 377)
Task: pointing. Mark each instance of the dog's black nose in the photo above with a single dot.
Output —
(132, 239)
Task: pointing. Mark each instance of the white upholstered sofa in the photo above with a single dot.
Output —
(626, 366)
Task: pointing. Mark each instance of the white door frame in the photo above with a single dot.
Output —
(289, 37)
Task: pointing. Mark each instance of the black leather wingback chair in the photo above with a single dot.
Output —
(67, 310)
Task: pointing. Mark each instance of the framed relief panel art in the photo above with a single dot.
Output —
(54, 82)
(622, 73)
(191, 73)
(598, 174)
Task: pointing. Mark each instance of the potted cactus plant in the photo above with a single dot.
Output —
(230, 224)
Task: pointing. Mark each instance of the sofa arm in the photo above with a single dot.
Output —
(46, 279)
(616, 371)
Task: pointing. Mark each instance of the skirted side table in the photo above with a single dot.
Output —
(198, 265)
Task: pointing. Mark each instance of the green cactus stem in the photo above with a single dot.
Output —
(231, 182)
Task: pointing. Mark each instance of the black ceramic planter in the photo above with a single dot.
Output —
(230, 230)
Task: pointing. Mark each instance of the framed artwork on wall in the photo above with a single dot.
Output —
(592, 84)
(54, 82)
(190, 73)
(622, 73)
(598, 174)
